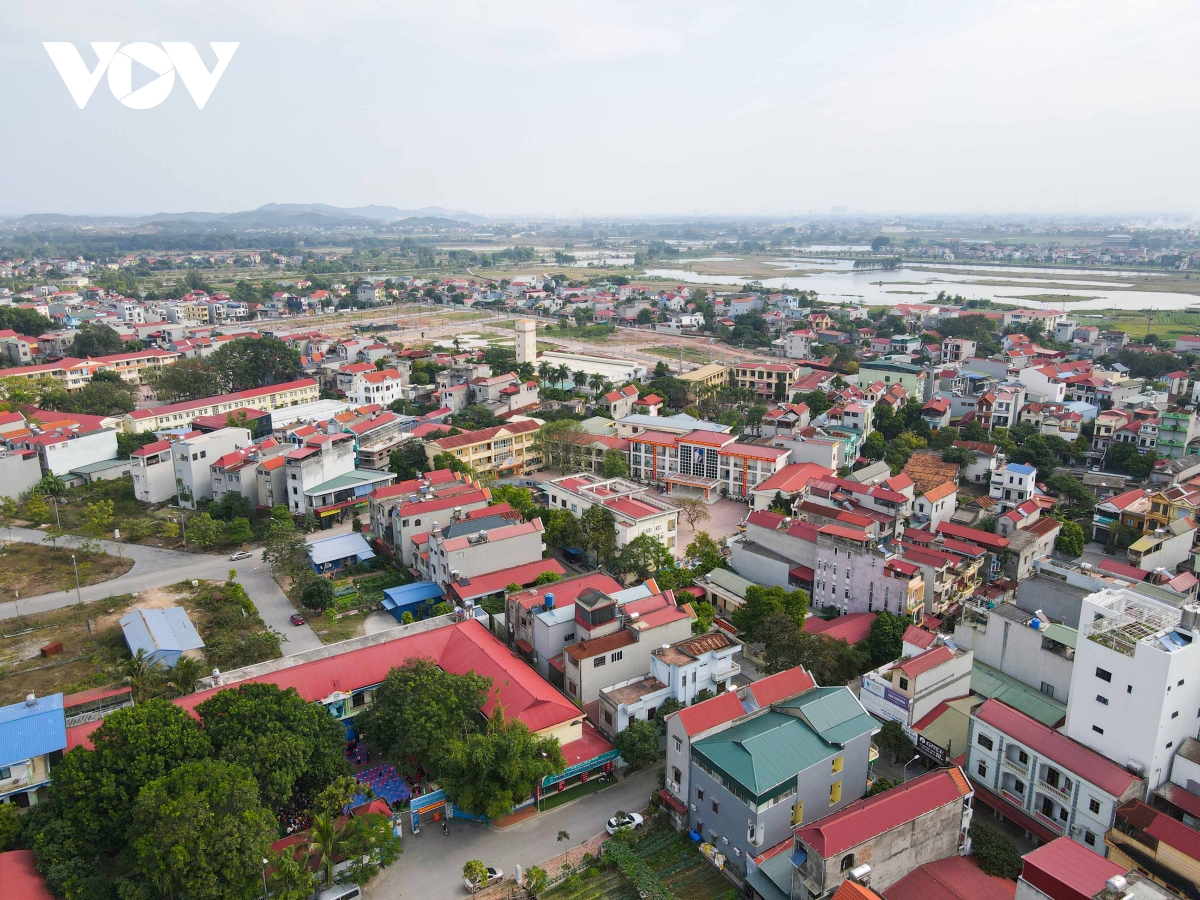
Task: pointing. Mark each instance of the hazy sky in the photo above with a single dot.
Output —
(620, 108)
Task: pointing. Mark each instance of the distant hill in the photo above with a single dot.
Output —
(271, 215)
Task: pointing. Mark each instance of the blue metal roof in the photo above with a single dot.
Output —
(340, 547)
(1020, 468)
(160, 629)
(400, 598)
(29, 731)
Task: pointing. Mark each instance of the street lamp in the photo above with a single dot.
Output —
(264, 876)
(78, 598)
(909, 763)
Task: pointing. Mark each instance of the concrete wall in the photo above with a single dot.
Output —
(19, 473)
(759, 568)
(70, 454)
(193, 459)
(1016, 650)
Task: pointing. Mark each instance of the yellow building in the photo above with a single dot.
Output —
(178, 415)
(705, 376)
(508, 449)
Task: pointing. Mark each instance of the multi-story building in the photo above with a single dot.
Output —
(401, 511)
(855, 574)
(33, 736)
(618, 403)
(922, 821)
(1029, 771)
(61, 450)
(447, 560)
(796, 761)
(703, 463)
(771, 381)
(911, 377)
(541, 640)
(957, 350)
(704, 379)
(1135, 696)
(323, 480)
(383, 387)
(508, 449)
(1021, 645)
(636, 512)
(192, 458)
(906, 690)
(153, 472)
(1145, 839)
(377, 436)
(178, 415)
(1012, 484)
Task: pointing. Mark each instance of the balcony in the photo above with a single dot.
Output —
(8, 785)
(1012, 765)
(1063, 797)
(1053, 824)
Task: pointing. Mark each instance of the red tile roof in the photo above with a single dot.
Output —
(853, 534)
(223, 398)
(858, 823)
(923, 662)
(20, 878)
(1064, 869)
(919, 637)
(482, 585)
(853, 628)
(787, 683)
(566, 590)
(151, 449)
(952, 878)
(468, 438)
(711, 713)
(1053, 745)
(973, 535)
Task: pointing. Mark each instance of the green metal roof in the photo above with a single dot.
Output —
(764, 752)
(989, 682)
(350, 479)
(731, 581)
(773, 879)
(1062, 634)
(834, 713)
(103, 466)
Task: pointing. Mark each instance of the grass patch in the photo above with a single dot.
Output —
(690, 354)
(574, 793)
(94, 645)
(28, 570)
(581, 332)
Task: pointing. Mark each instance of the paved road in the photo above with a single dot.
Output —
(153, 567)
(431, 865)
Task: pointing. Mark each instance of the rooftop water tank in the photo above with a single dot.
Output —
(548, 601)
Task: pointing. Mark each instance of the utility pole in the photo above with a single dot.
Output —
(183, 527)
(78, 598)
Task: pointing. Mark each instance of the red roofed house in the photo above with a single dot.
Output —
(1064, 870)
(522, 609)
(456, 560)
(896, 832)
(853, 628)
(636, 512)
(1157, 844)
(905, 690)
(952, 878)
(788, 481)
(400, 511)
(1042, 781)
(384, 387)
(507, 449)
(648, 405)
(20, 879)
(619, 403)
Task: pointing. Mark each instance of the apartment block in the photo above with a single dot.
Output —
(192, 458)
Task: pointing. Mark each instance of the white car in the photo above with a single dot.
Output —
(623, 820)
(241, 554)
(493, 875)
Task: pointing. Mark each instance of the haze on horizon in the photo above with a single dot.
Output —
(622, 108)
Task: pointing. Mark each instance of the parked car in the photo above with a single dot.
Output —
(296, 619)
(241, 554)
(493, 875)
(623, 820)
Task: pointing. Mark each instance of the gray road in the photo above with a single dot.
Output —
(153, 567)
(431, 865)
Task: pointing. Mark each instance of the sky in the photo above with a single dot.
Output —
(614, 108)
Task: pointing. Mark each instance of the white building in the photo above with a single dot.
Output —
(63, 450)
(636, 513)
(1041, 655)
(904, 691)
(384, 388)
(1044, 775)
(526, 341)
(153, 472)
(1013, 484)
(1135, 692)
(193, 457)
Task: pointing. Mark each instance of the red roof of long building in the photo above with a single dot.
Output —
(223, 398)
(787, 683)
(711, 713)
(1064, 869)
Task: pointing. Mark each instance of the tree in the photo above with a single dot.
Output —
(96, 340)
(886, 639)
(286, 742)
(97, 518)
(370, 845)
(561, 444)
(547, 577)
(419, 710)
(325, 842)
(205, 530)
(1070, 540)
(973, 431)
(318, 595)
(661, 369)
(24, 321)
(35, 509)
(693, 510)
(754, 417)
(874, 446)
(184, 675)
(995, 851)
(475, 872)
(50, 485)
(127, 443)
(95, 790)
(291, 878)
(10, 825)
(239, 531)
(892, 739)
(446, 460)
(519, 498)
(8, 512)
(614, 464)
(286, 552)
(231, 506)
(638, 743)
(598, 526)
(248, 363)
(199, 832)
(536, 880)
(704, 549)
(705, 614)
(337, 796)
(487, 773)
(643, 556)
(666, 708)
(763, 602)
(562, 529)
(409, 461)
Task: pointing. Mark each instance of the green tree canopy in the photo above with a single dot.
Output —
(638, 743)
(286, 742)
(886, 640)
(599, 529)
(248, 363)
(643, 556)
(1070, 540)
(96, 340)
(198, 832)
(614, 464)
(420, 709)
(762, 602)
(489, 772)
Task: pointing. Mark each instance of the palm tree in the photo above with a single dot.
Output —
(186, 673)
(525, 370)
(325, 840)
(597, 382)
(561, 374)
(545, 370)
(581, 379)
(50, 484)
(143, 675)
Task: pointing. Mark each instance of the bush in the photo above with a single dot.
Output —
(995, 851)
(318, 595)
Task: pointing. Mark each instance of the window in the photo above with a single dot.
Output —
(676, 775)
(1170, 744)
(5, 773)
(1175, 715)
(699, 794)
(903, 683)
(981, 768)
(1047, 689)
(1019, 787)
(1103, 700)
(835, 793)
(847, 862)
(1097, 729)
(1103, 674)
(598, 662)
(1023, 757)
(798, 813)
(1129, 688)
(571, 687)
(1093, 805)
(716, 806)
(750, 830)
(678, 748)
(839, 764)
(569, 637)
(985, 742)
(1179, 683)
(607, 717)
(1089, 839)
(616, 657)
